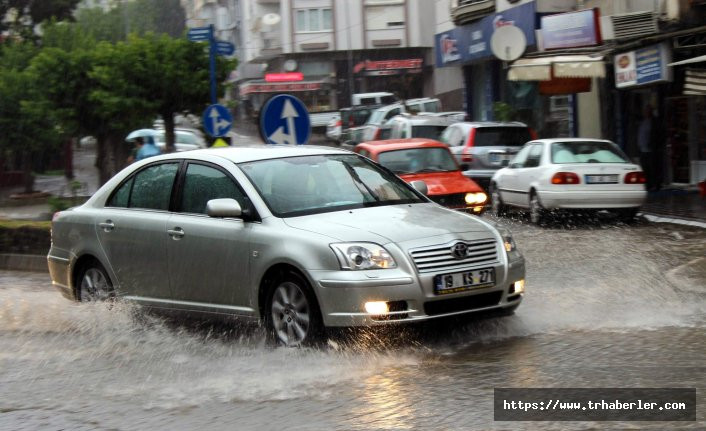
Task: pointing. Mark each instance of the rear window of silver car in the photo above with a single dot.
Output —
(296, 186)
(501, 136)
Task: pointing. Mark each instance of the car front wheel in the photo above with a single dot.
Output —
(498, 206)
(538, 214)
(292, 315)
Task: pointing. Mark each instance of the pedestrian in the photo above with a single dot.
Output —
(645, 144)
(148, 149)
(139, 142)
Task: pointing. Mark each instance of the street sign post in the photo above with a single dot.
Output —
(217, 120)
(224, 48)
(285, 120)
(215, 47)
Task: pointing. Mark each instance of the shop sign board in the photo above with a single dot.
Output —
(389, 67)
(249, 88)
(571, 29)
(472, 41)
(643, 66)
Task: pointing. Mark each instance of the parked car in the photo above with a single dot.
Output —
(429, 161)
(299, 237)
(378, 98)
(333, 129)
(564, 173)
(418, 126)
(352, 117)
(485, 146)
(185, 140)
(374, 126)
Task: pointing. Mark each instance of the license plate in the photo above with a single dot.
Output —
(601, 179)
(498, 157)
(462, 281)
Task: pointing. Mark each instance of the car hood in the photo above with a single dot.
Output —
(395, 223)
(444, 183)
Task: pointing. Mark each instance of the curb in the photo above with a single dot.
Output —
(667, 219)
(24, 262)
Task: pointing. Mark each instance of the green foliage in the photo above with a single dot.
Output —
(503, 112)
(58, 203)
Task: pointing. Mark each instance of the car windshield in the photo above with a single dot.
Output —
(501, 136)
(587, 152)
(429, 132)
(416, 160)
(376, 117)
(296, 186)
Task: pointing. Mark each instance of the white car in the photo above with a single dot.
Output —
(185, 140)
(569, 173)
(333, 129)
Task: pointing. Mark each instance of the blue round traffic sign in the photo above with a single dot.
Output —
(285, 120)
(217, 120)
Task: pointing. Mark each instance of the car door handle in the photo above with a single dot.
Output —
(107, 225)
(176, 233)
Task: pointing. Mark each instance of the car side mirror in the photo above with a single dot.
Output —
(464, 166)
(420, 186)
(225, 207)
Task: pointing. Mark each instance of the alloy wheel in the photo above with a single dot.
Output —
(95, 286)
(291, 314)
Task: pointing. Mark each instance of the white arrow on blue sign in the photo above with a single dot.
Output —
(217, 120)
(198, 34)
(285, 120)
(225, 48)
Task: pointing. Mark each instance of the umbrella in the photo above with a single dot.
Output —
(140, 133)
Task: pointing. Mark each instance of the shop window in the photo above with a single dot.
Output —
(384, 17)
(314, 20)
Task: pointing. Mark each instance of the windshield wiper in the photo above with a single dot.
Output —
(432, 170)
(357, 179)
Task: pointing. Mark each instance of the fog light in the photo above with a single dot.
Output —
(520, 286)
(376, 307)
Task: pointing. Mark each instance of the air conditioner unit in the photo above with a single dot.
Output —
(629, 25)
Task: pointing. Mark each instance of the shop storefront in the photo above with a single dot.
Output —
(469, 47)
(316, 94)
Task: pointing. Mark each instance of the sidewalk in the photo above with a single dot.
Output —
(671, 204)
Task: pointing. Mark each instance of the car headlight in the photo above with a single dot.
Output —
(508, 242)
(476, 198)
(362, 255)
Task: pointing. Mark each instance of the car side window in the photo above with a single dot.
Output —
(152, 188)
(121, 197)
(519, 160)
(392, 113)
(452, 136)
(534, 156)
(203, 183)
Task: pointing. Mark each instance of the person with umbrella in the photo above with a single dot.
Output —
(144, 145)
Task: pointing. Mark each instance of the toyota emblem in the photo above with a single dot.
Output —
(459, 250)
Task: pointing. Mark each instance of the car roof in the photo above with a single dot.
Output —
(399, 144)
(253, 152)
(554, 140)
(492, 123)
(425, 120)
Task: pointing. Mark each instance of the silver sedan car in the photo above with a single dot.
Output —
(301, 238)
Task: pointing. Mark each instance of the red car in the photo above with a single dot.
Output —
(420, 159)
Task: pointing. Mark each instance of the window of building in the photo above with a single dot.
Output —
(384, 17)
(314, 20)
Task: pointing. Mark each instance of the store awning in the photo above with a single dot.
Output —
(559, 66)
(695, 82)
(260, 86)
(698, 59)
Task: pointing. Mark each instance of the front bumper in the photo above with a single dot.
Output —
(592, 199)
(342, 295)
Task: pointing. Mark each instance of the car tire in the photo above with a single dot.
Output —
(292, 316)
(538, 214)
(94, 284)
(497, 205)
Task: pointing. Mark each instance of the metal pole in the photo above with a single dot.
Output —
(212, 58)
(351, 85)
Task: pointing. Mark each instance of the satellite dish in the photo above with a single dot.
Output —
(508, 42)
(271, 19)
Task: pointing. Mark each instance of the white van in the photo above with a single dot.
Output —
(373, 98)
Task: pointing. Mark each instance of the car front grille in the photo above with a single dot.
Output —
(440, 258)
(456, 200)
(465, 303)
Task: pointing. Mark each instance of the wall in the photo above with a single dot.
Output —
(589, 113)
(448, 81)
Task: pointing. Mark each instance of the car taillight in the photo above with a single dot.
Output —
(466, 156)
(635, 178)
(471, 137)
(55, 216)
(533, 134)
(339, 123)
(565, 178)
(377, 135)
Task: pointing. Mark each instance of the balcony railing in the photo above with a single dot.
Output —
(464, 11)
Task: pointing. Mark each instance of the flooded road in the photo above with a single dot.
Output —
(606, 306)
